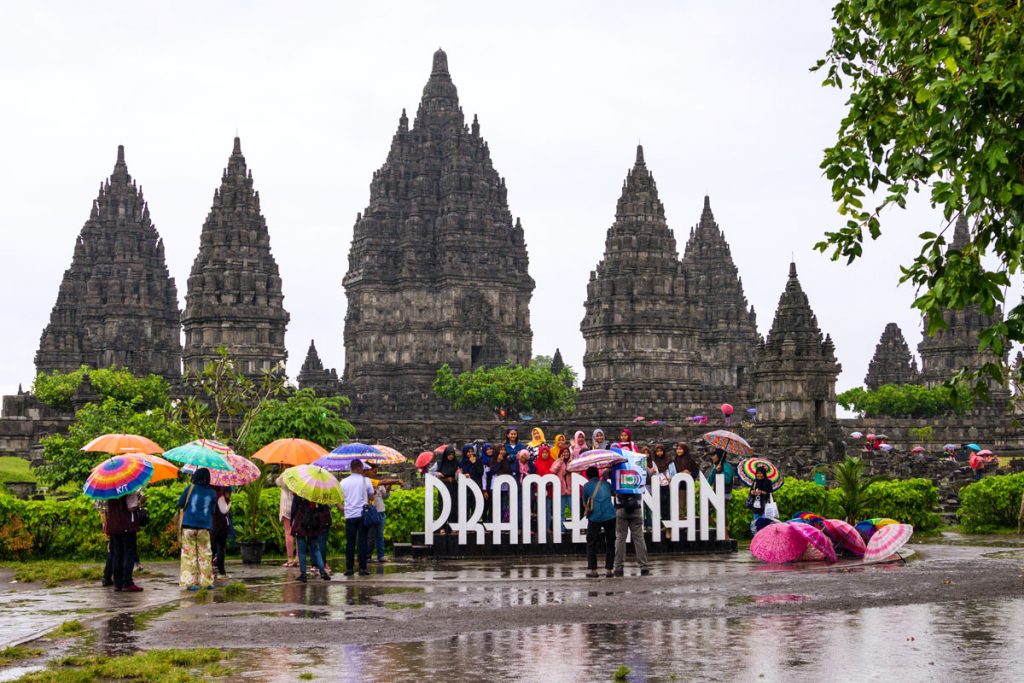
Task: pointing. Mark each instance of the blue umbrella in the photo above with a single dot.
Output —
(974, 447)
(354, 450)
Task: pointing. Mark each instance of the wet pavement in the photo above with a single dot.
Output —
(953, 611)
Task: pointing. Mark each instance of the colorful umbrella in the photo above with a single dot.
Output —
(290, 452)
(201, 453)
(424, 459)
(727, 409)
(777, 543)
(117, 477)
(312, 483)
(888, 540)
(856, 435)
(815, 520)
(881, 436)
(950, 447)
(866, 529)
(751, 411)
(116, 444)
(870, 436)
(596, 458)
(729, 442)
(639, 418)
(748, 470)
(335, 464)
(882, 521)
(812, 554)
(974, 447)
(985, 452)
(816, 538)
(917, 449)
(243, 471)
(356, 450)
(699, 419)
(849, 538)
(886, 447)
(162, 469)
(389, 456)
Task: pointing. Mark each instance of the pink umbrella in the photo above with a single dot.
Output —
(596, 458)
(815, 538)
(888, 540)
(847, 536)
(985, 452)
(870, 437)
(639, 418)
(917, 449)
(777, 543)
(812, 554)
(243, 472)
(727, 409)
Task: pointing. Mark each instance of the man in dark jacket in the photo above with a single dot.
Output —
(123, 528)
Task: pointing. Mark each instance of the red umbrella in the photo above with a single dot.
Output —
(777, 543)
(815, 538)
(887, 540)
(424, 459)
(727, 409)
(847, 536)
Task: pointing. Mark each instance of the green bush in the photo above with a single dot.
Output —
(906, 400)
(991, 504)
(58, 388)
(404, 514)
(911, 501)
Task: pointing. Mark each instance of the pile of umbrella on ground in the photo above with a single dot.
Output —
(138, 461)
(811, 537)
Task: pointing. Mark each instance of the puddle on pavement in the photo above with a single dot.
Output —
(948, 641)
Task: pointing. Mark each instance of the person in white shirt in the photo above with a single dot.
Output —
(358, 491)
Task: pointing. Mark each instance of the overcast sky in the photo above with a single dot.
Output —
(719, 94)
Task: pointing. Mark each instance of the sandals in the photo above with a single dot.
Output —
(290, 563)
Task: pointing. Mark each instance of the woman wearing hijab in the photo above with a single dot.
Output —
(447, 471)
(625, 441)
(684, 464)
(537, 441)
(598, 441)
(488, 454)
(759, 496)
(197, 502)
(719, 465)
(542, 466)
(579, 445)
(564, 494)
(473, 467)
(501, 464)
(661, 470)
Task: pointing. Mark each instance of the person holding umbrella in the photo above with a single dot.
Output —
(307, 526)
(759, 496)
(358, 492)
(197, 503)
(719, 465)
(597, 494)
(123, 529)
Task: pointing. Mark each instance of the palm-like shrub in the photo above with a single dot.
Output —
(852, 485)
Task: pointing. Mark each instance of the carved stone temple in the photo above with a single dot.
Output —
(437, 225)
(664, 336)
(314, 376)
(795, 371)
(234, 294)
(892, 363)
(117, 304)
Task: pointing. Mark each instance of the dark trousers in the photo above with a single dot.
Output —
(108, 568)
(322, 542)
(594, 532)
(356, 537)
(123, 548)
(219, 546)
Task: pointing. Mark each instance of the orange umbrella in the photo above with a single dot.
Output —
(117, 444)
(162, 469)
(290, 452)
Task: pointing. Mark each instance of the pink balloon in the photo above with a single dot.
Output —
(726, 409)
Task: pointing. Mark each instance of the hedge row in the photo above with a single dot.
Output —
(991, 504)
(71, 529)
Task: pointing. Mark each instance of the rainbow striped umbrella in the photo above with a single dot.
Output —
(815, 520)
(748, 471)
(729, 442)
(118, 477)
(888, 540)
(201, 453)
(243, 471)
(312, 483)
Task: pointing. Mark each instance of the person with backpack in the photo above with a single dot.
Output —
(123, 528)
(307, 525)
(196, 503)
(600, 514)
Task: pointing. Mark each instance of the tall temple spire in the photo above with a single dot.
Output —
(234, 295)
(313, 375)
(892, 362)
(117, 305)
(438, 210)
(729, 336)
(961, 233)
(638, 315)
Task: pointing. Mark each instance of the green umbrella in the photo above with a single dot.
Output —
(312, 483)
(201, 453)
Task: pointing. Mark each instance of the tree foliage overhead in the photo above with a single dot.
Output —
(906, 400)
(936, 102)
(303, 415)
(509, 388)
(58, 388)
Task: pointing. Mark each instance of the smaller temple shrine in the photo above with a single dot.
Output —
(892, 363)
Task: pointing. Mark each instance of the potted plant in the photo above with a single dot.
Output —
(253, 530)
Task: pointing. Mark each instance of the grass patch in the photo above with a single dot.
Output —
(14, 470)
(202, 595)
(235, 589)
(405, 605)
(621, 673)
(9, 655)
(55, 572)
(69, 629)
(142, 619)
(305, 676)
(153, 666)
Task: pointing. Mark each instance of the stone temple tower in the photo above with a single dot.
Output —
(796, 370)
(728, 327)
(955, 347)
(314, 376)
(438, 269)
(892, 362)
(234, 295)
(641, 330)
(117, 304)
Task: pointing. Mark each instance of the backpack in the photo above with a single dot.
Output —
(310, 520)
